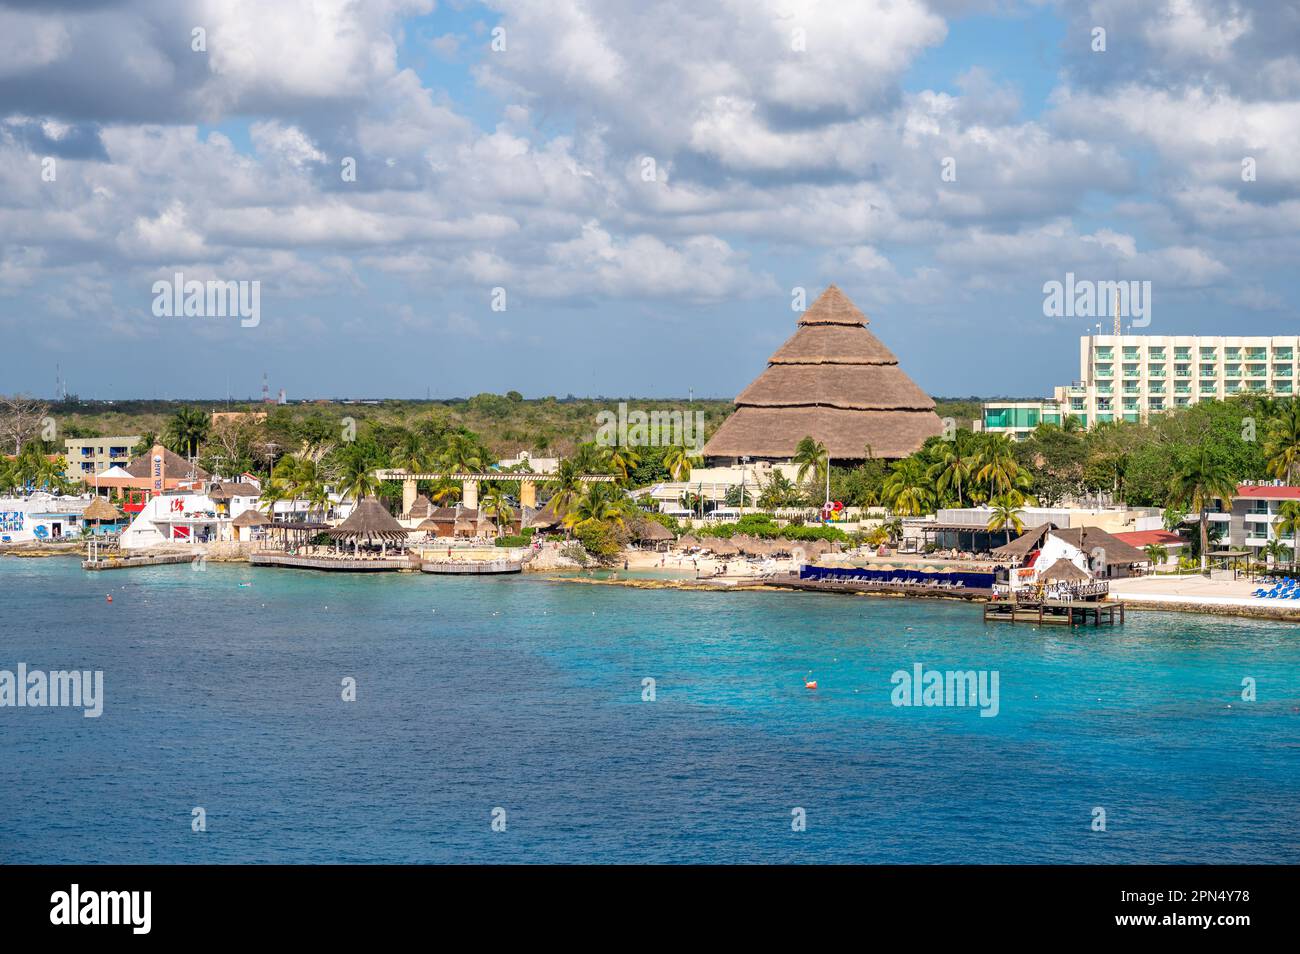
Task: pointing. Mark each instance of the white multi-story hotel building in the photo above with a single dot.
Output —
(1131, 377)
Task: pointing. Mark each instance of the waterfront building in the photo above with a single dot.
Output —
(1098, 553)
(834, 381)
(41, 516)
(88, 456)
(966, 528)
(186, 517)
(1131, 377)
(150, 474)
(1247, 521)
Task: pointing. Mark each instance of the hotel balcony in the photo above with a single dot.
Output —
(1182, 354)
(1257, 354)
(1130, 354)
(1182, 389)
(1282, 387)
(1282, 354)
(1105, 389)
(1182, 371)
(1132, 372)
(1283, 370)
(1258, 371)
(1155, 388)
(1155, 371)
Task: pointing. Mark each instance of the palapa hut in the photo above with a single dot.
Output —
(546, 518)
(1063, 571)
(247, 521)
(722, 548)
(834, 381)
(643, 530)
(686, 541)
(100, 512)
(370, 523)
(440, 521)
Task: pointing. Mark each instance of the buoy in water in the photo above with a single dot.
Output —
(810, 684)
(109, 597)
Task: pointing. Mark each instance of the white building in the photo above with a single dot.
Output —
(41, 516)
(1131, 377)
(184, 517)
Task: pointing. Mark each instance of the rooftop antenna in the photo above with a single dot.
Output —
(266, 390)
(1116, 312)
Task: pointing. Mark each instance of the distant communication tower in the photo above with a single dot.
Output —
(266, 390)
(1116, 312)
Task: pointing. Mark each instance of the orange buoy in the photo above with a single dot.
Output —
(109, 597)
(810, 684)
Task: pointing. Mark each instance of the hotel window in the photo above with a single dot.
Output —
(1156, 354)
(1103, 371)
(1231, 354)
(1156, 388)
(1232, 371)
(1104, 354)
(1156, 404)
(1208, 387)
(1257, 370)
(88, 468)
(1207, 370)
(1283, 370)
(1182, 354)
(1182, 402)
(1130, 354)
(1209, 354)
(1256, 354)
(1281, 354)
(1131, 371)
(1155, 370)
(1282, 387)
(1183, 370)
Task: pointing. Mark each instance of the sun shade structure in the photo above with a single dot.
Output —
(251, 518)
(834, 381)
(1063, 571)
(369, 521)
(101, 510)
(650, 531)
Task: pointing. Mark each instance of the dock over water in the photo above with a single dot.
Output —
(123, 562)
(468, 567)
(337, 564)
(1055, 612)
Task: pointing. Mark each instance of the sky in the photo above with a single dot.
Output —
(627, 197)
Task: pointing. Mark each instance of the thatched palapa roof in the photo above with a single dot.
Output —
(1063, 571)
(546, 518)
(369, 520)
(1019, 548)
(101, 509)
(646, 530)
(834, 381)
(1090, 539)
(421, 508)
(251, 518)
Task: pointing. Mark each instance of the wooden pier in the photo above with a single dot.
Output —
(1055, 612)
(336, 564)
(106, 562)
(471, 567)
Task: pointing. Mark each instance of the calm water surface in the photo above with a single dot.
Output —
(527, 694)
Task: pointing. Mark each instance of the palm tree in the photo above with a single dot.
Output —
(186, 431)
(1275, 550)
(600, 502)
(1198, 479)
(566, 486)
(496, 504)
(1006, 516)
(355, 478)
(1282, 447)
(679, 461)
(1156, 553)
(462, 454)
(410, 454)
(812, 457)
(997, 465)
(624, 460)
(1287, 524)
(952, 472)
(907, 489)
(777, 492)
(445, 490)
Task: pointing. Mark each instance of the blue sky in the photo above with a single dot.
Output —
(794, 144)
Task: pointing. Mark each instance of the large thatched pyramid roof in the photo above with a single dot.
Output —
(834, 381)
(369, 520)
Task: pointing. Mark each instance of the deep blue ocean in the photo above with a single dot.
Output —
(527, 695)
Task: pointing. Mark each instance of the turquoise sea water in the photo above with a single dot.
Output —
(523, 694)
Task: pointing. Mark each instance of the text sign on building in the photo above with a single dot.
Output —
(157, 473)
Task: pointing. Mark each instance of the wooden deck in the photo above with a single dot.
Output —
(336, 564)
(124, 563)
(1055, 612)
(460, 567)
